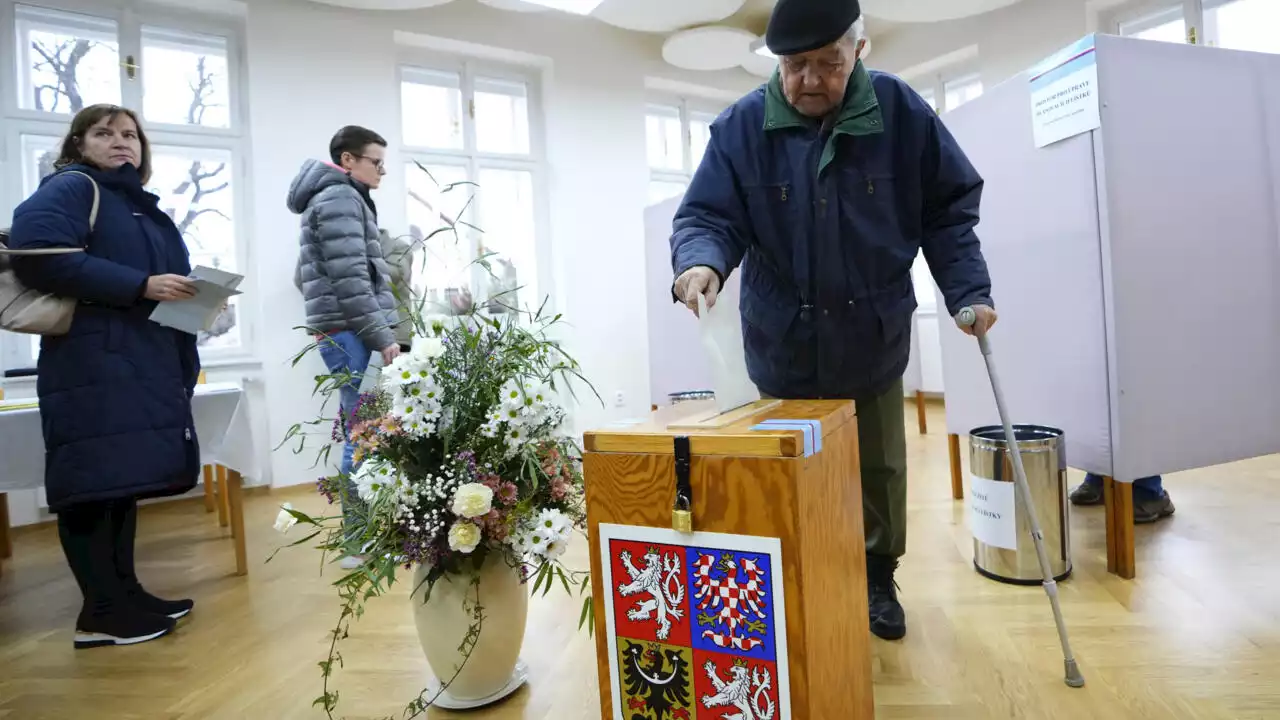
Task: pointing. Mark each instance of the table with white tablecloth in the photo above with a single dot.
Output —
(226, 450)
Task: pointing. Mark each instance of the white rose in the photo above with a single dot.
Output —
(464, 537)
(285, 520)
(472, 500)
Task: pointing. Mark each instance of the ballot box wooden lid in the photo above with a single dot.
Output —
(768, 428)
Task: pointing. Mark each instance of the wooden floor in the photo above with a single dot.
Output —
(1196, 635)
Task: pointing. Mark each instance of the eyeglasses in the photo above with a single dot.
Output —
(378, 164)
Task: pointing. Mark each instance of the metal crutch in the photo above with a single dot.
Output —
(966, 318)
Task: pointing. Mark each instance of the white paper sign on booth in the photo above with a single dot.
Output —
(992, 512)
(1064, 94)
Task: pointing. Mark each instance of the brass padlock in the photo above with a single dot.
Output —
(682, 521)
(682, 516)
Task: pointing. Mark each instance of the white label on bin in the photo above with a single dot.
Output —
(992, 517)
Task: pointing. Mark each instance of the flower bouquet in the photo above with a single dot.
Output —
(461, 469)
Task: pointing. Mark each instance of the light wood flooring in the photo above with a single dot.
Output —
(1196, 635)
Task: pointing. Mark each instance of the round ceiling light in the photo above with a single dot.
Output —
(516, 5)
(383, 4)
(759, 65)
(712, 47)
(664, 15)
(921, 11)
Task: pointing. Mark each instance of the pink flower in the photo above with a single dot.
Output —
(495, 525)
(508, 493)
(559, 488)
(491, 481)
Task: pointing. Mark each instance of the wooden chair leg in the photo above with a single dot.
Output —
(921, 416)
(235, 503)
(221, 474)
(1118, 498)
(957, 476)
(210, 500)
(6, 544)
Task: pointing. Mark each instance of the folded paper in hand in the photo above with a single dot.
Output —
(196, 314)
(722, 338)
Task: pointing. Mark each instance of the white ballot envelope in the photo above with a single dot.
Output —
(721, 332)
(196, 314)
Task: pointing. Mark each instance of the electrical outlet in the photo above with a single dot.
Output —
(619, 399)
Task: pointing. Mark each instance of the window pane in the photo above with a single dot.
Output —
(431, 109)
(666, 147)
(66, 61)
(930, 98)
(1252, 25)
(185, 80)
(38, 154)
(962, 91)
(196, 190)
(660, 190)
(502, 116)
(699, 136)
(442, 272)
(510, 239)
(1164, 26)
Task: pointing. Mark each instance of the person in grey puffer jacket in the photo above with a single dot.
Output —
(344, 279)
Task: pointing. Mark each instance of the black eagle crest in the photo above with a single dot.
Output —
(657, 679)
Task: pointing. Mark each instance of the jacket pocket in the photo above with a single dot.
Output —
(773, 212)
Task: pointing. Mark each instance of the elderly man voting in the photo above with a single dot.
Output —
(824, 184)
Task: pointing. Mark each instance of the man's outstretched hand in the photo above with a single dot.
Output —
(984, 321)
(695, 281)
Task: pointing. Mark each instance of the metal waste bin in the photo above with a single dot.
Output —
(1003, 548)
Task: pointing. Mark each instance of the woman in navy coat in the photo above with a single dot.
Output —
(115, 391)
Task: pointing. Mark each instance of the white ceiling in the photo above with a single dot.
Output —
(716, 34)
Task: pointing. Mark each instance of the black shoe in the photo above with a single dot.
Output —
(1087, 493)
(126, 627)
(888, 620)
(1151, 509)
(148, 603)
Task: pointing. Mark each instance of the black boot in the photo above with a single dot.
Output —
(124, 521)
(888, 621)
(107, 618)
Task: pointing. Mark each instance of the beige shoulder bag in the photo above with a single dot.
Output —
(24, 310)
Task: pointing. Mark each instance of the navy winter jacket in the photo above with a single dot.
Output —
(826, 223)
(115, 391)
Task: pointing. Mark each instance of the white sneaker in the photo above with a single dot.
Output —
(351, 562)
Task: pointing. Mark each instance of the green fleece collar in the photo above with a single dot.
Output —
(859, 114)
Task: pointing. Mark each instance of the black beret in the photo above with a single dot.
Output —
(798, 26)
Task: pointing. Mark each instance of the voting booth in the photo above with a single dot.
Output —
(1130, 220)
(728, 563)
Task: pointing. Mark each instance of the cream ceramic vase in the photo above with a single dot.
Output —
(493, 671)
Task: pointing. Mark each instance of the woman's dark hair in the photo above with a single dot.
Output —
(84, 121)
(353, 139)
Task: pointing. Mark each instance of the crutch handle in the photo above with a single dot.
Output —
(968, 317)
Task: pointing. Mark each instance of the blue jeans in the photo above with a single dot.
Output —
(344, 353)
(1150, 488)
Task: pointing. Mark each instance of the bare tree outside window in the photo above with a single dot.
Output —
(67, 61)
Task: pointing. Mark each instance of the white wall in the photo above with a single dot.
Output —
(316, 68)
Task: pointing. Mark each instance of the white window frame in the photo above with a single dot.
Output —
(473, 160)
(687, 107)
(130, 18)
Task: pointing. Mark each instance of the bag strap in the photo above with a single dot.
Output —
(97, 197)
(93, 220)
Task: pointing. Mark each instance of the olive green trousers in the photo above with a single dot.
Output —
(882, 453)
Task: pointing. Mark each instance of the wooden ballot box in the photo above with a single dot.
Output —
(728, 564)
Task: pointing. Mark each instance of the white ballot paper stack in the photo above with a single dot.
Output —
(196, 314)
(722, 338)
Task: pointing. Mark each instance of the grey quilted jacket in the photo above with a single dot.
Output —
(345, 281)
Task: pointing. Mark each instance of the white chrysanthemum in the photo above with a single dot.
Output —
(372, 476)
(554, 522)
(426, 349)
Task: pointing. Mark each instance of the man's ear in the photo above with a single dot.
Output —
(862, 46)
